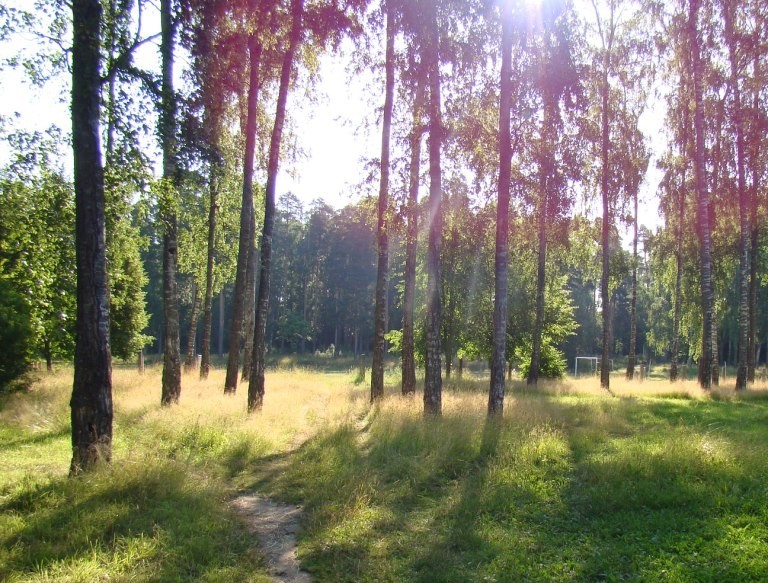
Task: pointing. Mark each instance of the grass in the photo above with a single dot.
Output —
(660, 483)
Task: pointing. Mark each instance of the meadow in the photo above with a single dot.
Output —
(659, 483)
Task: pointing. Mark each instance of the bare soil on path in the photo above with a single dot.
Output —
(275, 526)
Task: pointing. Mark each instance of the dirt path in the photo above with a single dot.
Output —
(275, 526)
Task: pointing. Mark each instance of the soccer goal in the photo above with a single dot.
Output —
(590, 365)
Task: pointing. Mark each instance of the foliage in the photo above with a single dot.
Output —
(126, 180)
(37, 219)
(552, 365)
(15, 333)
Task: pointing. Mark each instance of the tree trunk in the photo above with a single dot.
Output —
(546, 174)
(256, 385)
(541, 263)
(411, 240)
(633, 299)
(250, 312)
(501, 257)
(382, 271)
(605, 238)
(433, 382)
(706, 363)
(744, 238)
(678, 299)
(48, 354)
(91, 403)
(221, 323)
(247, 226)
(755, 140)
(678, 295)
(205, 361)
(189, 360)
(171, 354)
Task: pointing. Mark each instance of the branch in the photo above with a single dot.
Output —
(121, 62)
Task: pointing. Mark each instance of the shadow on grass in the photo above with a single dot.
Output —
(40, 438)
(148, 523)
(605, 489)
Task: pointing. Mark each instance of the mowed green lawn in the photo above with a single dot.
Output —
(661, 483)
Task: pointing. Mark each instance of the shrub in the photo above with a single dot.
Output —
(15, 334)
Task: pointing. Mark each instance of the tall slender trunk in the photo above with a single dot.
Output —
(411, 240)
(256, 385)
(382, 270)
(449, 317)
(679, 235)
(744, 238)
(205, 361)
(433, 382)
(541, 266)
(246, 219)
(678, 296)
(633, 298)
(250, 312)
(755, 141)
(753, 250)
(605, 237)
(706, 363)
(189, 360)
(221, 323)
(171, 351)
(91, 403)
(501, 256)
(546, 175)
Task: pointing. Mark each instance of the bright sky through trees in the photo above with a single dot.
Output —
(332, 128)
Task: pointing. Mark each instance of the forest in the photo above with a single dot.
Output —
(492, 257)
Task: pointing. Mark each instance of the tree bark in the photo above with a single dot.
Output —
(546, 178)
(755, 141)
(541, 266)
(633, 298)
(382, 227)
(433, 382)
(171, 353)
(256, 386)
(411, 240)
(91, 403)
(205, 361)
(706, 363)
(744, 238)
(678, 295)
(680, 233)
(250, 312)
(247, 226)
(189, 360)
(605, 238)
(501, 257)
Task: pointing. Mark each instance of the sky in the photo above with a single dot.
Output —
(329, 128)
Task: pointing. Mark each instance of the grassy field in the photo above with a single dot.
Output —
(660, 483)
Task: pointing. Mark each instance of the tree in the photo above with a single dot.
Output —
(557, 83)
(382, 272)
(433, 381)
(91, 402)
(730, 15)
(247, 225)
(37, 244)
(171, 389)
(411, 239)
(256, 385)
(707, 364)
(501, 261)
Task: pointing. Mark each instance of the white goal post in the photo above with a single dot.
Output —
(590, 366)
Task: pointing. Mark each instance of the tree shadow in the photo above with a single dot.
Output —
(155, 523)
(648, 490)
